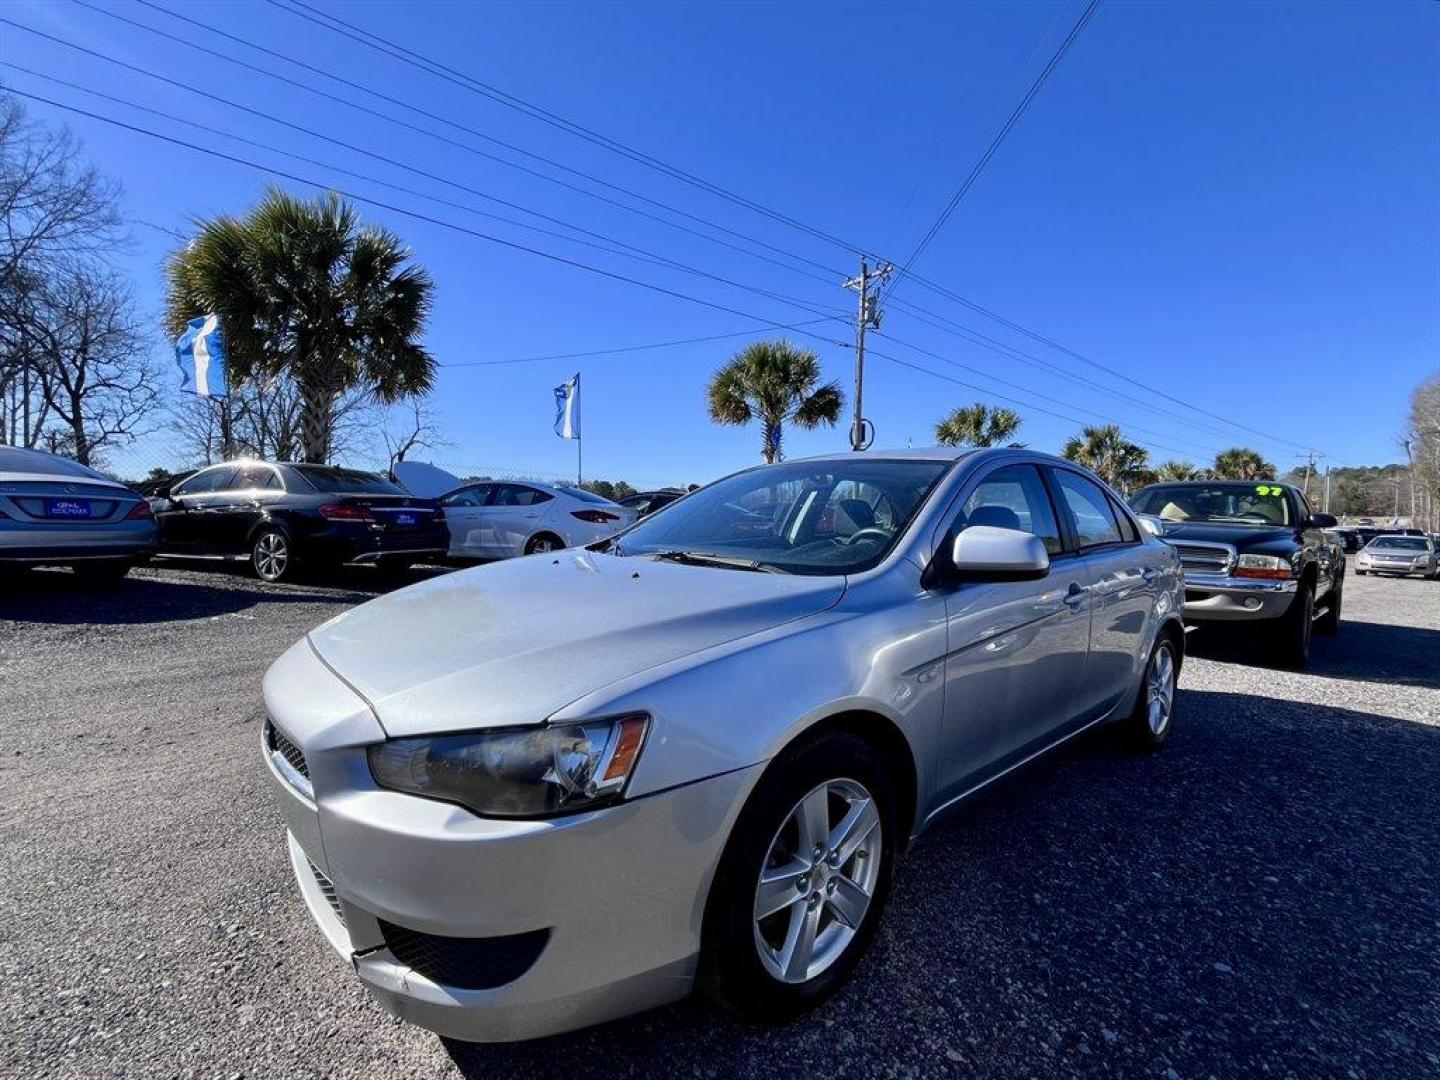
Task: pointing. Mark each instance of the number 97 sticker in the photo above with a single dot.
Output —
(1268, 489)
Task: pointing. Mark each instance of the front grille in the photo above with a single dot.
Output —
(275, 739)
(327, 889)
(1208, 558)
(469, 963)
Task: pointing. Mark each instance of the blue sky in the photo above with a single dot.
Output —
(1235, 203)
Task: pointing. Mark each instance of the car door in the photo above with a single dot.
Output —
(512, 517)
(185, 518)
(464, 516)
(1125, 581)
(236, 510)
(1014, 648)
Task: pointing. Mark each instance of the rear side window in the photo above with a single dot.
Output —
(255, 477)
(1090, 508)
(1013, 498)
(205, 481)
(474, 496)
(517, 495)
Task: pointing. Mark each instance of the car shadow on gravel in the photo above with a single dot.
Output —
(1363, 651)
(1259, 897)
(176, 593)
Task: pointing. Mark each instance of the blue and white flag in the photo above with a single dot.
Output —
(567, 408)
(200, 354)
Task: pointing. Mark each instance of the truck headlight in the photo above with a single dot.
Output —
(517, 772)
(1263, 566)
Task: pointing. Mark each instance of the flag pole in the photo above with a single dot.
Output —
(579, 432)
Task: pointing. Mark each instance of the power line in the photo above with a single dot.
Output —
(374, 41)
(416, 215)
(349, 103)
(630, 348)
(999, 138)
(337, 25)
(311, 133)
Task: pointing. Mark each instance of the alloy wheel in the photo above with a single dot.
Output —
(817, 881)
(542, 544)
(272, 556)
(1160, 689)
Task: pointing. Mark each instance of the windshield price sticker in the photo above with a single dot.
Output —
(1267, 489)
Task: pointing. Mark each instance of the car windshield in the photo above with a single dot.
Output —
(830, 517)
(1239, 503)
(330, 480)
(1400, 543)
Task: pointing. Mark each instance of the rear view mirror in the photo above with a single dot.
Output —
(1150, 523)
(983, 552)
(1322, 521)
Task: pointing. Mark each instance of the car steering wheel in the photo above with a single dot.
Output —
(870, 532)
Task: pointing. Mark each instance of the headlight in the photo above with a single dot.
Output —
(516, 773)
(1263, 566)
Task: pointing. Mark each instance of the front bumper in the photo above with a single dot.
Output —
(1222, 598)
(621, 892)
(1377, 566)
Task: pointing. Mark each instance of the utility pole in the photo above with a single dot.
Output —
(1327, 489)
(1309, 468)
(868, 286)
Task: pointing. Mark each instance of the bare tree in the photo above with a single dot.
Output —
(87, 351)
(416, 430)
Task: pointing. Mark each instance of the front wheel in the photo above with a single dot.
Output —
(804, 878)
(1292, 640)
(270, 555)
(1329, 623)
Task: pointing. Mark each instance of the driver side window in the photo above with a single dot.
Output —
(1013, 498)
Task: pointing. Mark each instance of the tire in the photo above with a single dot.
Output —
(1328, 625)
(103, 571)
(395, 566)
(1292, 641)
(272, 557)
(1153, 718)
(743, 961)
(543, 542)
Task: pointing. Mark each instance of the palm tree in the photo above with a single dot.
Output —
(304, 290)
(1242, 463)
(1105, 452)
(775, 383)
(977, 425)
(1176, 470)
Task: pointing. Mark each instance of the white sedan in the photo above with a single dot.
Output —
(499, 519)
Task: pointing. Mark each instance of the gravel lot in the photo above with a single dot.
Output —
(1262, 897)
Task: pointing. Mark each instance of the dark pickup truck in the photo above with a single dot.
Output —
(1252, 552)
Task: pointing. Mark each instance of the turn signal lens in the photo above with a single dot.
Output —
(629, 734)
(1264, 566)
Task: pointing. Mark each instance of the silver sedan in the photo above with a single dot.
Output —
(55, 512)
(541, 794)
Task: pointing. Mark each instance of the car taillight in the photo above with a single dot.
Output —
(345, 512)
(139, 512)
(595, 517)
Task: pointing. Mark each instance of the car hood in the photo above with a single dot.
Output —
(1244, 537)
(513, 642)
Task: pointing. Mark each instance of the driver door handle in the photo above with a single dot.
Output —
(1075, 596)
(1149, 574)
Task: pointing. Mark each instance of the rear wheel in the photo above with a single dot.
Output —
(270, 555)
(1292, 641)
(543, 542)
(1148, 726)
(102, 570)
(804, 878)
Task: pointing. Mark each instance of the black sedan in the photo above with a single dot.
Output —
(645, 503)
(278, 517)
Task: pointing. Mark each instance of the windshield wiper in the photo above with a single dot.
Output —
(705, 558)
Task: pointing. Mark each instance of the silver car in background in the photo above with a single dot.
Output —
(1396, 554)
(55, 512)
(544, 793)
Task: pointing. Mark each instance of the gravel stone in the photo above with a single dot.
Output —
(149, 925)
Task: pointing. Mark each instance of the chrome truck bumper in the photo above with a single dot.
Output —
(1213, 597)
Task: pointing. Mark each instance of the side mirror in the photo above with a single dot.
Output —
(985, 553)
(1322, 521)
(1150, 523)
